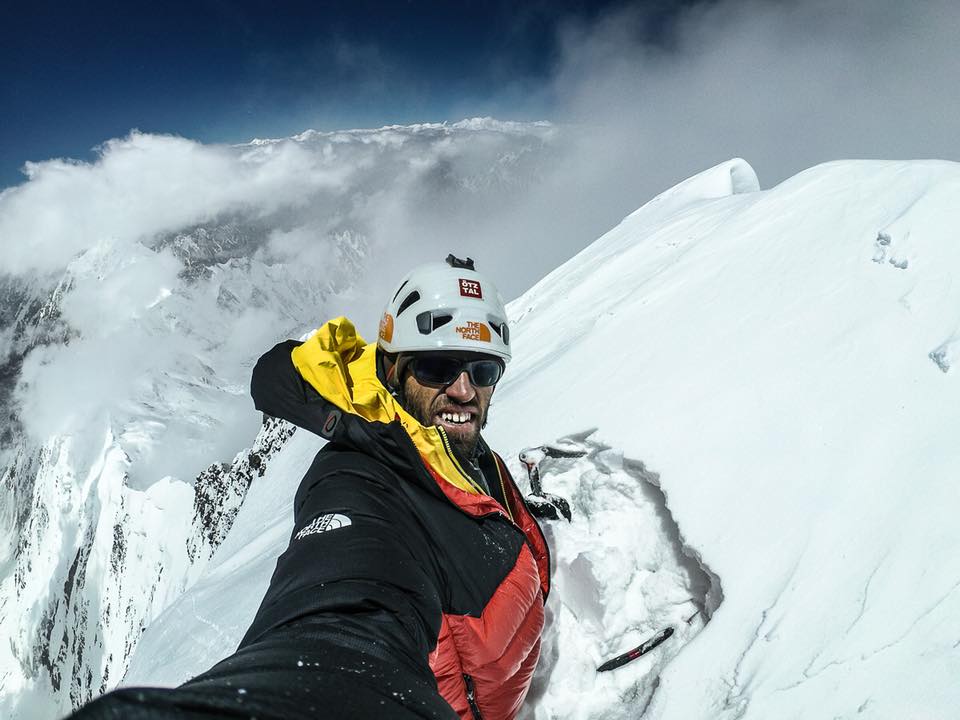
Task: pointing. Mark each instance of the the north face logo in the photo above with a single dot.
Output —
(333, 521)
(474, 331)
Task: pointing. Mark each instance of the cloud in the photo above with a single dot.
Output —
(785, 85)
(182, 262)
(143, 185)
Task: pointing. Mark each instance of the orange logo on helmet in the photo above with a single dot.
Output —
(474, 331)
(386, 327)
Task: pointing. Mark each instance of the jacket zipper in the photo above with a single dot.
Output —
(498, 461)
(456, 463)
(472, 697)
(503, 488)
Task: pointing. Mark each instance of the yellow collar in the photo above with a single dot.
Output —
(342, 367)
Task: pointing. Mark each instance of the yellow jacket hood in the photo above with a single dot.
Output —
(342, 367)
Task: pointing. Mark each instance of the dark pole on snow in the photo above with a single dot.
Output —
(638, 651)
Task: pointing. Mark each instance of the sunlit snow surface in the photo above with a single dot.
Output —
(785, 362)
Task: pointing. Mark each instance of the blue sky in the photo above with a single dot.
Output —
(77, 74)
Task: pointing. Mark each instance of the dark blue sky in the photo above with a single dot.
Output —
(76, 74)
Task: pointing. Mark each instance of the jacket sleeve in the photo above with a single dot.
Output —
(357, 560)
(279, 390)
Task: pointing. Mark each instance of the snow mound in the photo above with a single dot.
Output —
(733, 177)
(620, 575)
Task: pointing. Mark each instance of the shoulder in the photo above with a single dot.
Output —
(335, 458)
(344, 472)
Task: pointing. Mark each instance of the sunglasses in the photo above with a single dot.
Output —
(445, 369)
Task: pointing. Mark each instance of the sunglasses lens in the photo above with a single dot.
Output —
(484, 373)
(437, 369)
(444, 369)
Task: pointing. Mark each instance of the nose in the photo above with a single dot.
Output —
(461, 389)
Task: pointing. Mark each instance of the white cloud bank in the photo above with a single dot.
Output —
(183, 262)
(142, 185)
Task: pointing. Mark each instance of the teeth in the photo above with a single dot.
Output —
(457, 418)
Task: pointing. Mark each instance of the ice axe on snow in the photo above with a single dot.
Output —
(639, 651)
(543, 504)
(643, 648)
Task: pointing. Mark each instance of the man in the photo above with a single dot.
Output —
(414, 582)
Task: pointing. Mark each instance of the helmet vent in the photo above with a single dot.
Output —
(399, 290)
(427, 322)
(408, 301)
(502, 330)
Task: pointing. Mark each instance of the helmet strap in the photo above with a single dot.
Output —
(396, 377)
(387, 372)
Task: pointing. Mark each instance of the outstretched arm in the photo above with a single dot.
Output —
(352, 611)
(358, 557)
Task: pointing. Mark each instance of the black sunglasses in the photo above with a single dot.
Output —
(445, 369)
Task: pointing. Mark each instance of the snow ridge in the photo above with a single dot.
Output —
(389, 134)
(791, 394)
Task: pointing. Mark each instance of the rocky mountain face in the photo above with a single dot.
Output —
(220, 489)
(29, 317)
(96, 561)
(89, 555)
(88, 561)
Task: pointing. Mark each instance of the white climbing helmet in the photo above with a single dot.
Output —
(445, 306)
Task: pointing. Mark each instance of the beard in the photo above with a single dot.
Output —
(465, 442)
(430, 403)
(465, 447)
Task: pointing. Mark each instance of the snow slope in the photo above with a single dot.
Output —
(786, 361)
(782, 365)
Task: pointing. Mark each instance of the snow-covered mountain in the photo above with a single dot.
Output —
(786, 362)
(762, 385)
(135, 294)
